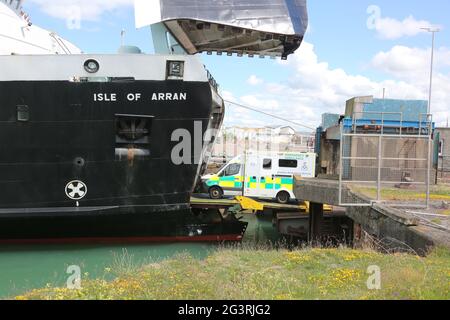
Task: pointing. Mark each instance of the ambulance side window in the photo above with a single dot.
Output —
(267, 164)
(288, 164)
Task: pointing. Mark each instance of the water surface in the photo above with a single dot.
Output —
(27, 267)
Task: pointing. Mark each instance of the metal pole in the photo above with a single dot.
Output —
(433, 32)
(431, 71)
(429, 117)
(341, 166)
(429, 170)
(380, 154)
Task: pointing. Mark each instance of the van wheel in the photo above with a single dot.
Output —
(215, 193)
(283, 197)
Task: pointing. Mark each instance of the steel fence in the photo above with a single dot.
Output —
(443, 168)
(385, 160)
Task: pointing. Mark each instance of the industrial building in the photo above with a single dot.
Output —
(402, 158)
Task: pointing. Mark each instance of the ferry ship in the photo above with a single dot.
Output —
(98, 147)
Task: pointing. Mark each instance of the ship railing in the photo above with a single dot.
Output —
(212, 81)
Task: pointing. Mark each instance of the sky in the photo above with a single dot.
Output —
(352, 48)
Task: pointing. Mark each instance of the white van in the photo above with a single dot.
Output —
(261, 175)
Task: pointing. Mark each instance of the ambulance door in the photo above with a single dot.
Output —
(251, 176)
(266, 177)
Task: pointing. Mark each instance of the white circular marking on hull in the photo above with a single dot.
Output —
(76, 190)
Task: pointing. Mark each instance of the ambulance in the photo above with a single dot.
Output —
(261, 176)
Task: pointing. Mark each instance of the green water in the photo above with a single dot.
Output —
(27, 267)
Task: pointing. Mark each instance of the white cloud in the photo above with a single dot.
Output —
(254, 80)
(87, 9)
(319, 88)
(315, 88)
(410, 63)
(227, 95)
(263, 104)
(389, 28)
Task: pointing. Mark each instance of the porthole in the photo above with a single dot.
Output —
(91, 66)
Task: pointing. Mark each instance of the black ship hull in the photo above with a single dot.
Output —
(113, 227)
(101, 161)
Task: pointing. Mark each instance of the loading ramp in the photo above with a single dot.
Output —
(291, 220)
(248, 204)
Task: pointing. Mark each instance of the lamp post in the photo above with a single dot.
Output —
(433, 32)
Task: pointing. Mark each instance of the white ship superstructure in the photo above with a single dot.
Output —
(19, 36)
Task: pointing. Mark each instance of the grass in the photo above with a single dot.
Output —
(438, 193)
(273, 275)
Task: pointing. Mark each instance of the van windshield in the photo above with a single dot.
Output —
(232, 170)
(221, 168)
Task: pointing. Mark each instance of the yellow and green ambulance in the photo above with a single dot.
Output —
(261, 176)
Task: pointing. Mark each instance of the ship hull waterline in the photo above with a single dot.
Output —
(164, 227)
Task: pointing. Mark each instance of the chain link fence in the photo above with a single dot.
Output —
(443, 173)
(386, 160)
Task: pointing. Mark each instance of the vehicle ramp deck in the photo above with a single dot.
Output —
(246, 203)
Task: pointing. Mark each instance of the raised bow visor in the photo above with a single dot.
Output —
(272, 28)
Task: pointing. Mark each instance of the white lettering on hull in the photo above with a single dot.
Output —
(134, 97)
(169, 96)
(106, 97)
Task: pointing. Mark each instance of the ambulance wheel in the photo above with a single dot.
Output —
(216, 193)
(283, 197)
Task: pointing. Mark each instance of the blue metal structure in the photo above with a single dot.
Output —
(411, 110)
(388, 116)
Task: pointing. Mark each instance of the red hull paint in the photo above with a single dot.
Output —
(133, 240)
